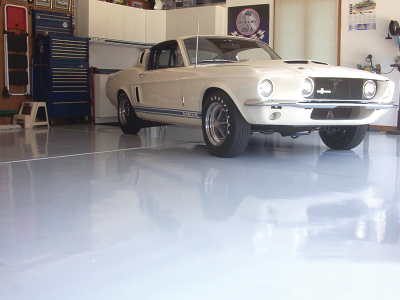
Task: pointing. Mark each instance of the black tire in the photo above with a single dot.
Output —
(225, 131)
(129, 122)
(343, 137)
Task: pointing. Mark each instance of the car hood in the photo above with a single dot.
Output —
(305, 68)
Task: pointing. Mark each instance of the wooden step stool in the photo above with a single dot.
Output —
(28, 115)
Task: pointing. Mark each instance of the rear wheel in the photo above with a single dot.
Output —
(128, 120)
(343, 137)
(225, 131)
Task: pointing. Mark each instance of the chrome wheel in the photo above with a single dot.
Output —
(225, 131)
(123, 109)
(216, 123)
(128, 120)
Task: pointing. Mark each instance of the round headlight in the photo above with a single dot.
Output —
(307, 87)
(265, 88)
(369, 89)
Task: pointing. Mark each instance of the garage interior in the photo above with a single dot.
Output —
(87, 212)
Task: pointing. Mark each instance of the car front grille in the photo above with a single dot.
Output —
(338, 88)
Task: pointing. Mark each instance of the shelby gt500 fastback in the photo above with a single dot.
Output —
(233, 87)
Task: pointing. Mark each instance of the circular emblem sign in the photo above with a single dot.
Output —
(248, 21)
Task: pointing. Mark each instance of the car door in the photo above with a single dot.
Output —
(159, 84)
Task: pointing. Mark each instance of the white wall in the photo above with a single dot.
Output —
(356, 45)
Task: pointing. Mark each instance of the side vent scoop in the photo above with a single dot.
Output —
(137, 94)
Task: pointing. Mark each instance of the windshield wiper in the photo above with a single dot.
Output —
(216, 60)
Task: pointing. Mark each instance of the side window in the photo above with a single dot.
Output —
(179, 58)
(166, 55)
(164, 59)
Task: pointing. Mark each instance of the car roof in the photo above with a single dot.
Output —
(210, 36)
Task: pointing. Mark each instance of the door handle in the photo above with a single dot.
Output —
(142, 75)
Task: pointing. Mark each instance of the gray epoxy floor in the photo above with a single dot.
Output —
(89, 213)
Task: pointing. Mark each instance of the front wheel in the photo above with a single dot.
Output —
(225, 131)
(343, 137)
(128, 120)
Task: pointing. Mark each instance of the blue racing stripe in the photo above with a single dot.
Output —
(169, 112)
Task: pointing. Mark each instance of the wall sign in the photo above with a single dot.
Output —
(249, 21)
(362, 15)
(43, 3)
(61, 4)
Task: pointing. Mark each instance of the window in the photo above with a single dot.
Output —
(165, 55)
(220, 50)
(307, 29)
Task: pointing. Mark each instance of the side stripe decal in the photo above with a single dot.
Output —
(169, 112)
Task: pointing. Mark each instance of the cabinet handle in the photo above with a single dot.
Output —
(142, 75)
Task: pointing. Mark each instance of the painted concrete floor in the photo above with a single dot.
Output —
(89, 213)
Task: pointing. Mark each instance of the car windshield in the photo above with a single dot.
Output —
(226, 50)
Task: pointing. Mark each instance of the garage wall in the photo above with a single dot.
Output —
(14, 102)
(356, 45)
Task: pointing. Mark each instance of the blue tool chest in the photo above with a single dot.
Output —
(61, 75)
(52, 22)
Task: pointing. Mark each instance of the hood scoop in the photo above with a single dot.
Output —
(296, 62)
(303, 62)
(319, 62)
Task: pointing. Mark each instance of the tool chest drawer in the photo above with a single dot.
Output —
(61, 49)
(69, 79)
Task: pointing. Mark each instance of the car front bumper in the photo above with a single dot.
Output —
(301, 113)
(330, 104)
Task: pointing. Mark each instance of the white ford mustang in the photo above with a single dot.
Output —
(232, 87)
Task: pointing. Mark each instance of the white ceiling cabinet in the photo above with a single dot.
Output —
(156, 22)
(212, 19)
(135, 21)
(107, 21)
(115, 22)
(93, 13)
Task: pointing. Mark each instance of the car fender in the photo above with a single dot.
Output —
(232, 93)
(121, 81)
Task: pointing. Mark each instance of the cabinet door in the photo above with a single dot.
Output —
(140, 27)
(207, 19)
(187, 21)
(115, 21)
(97, 19)
(82, 18)
(156, 26)
(182, 22)
(130, 23)
(221, 20)
(135, 24)
(213, 20)
(172, 23)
